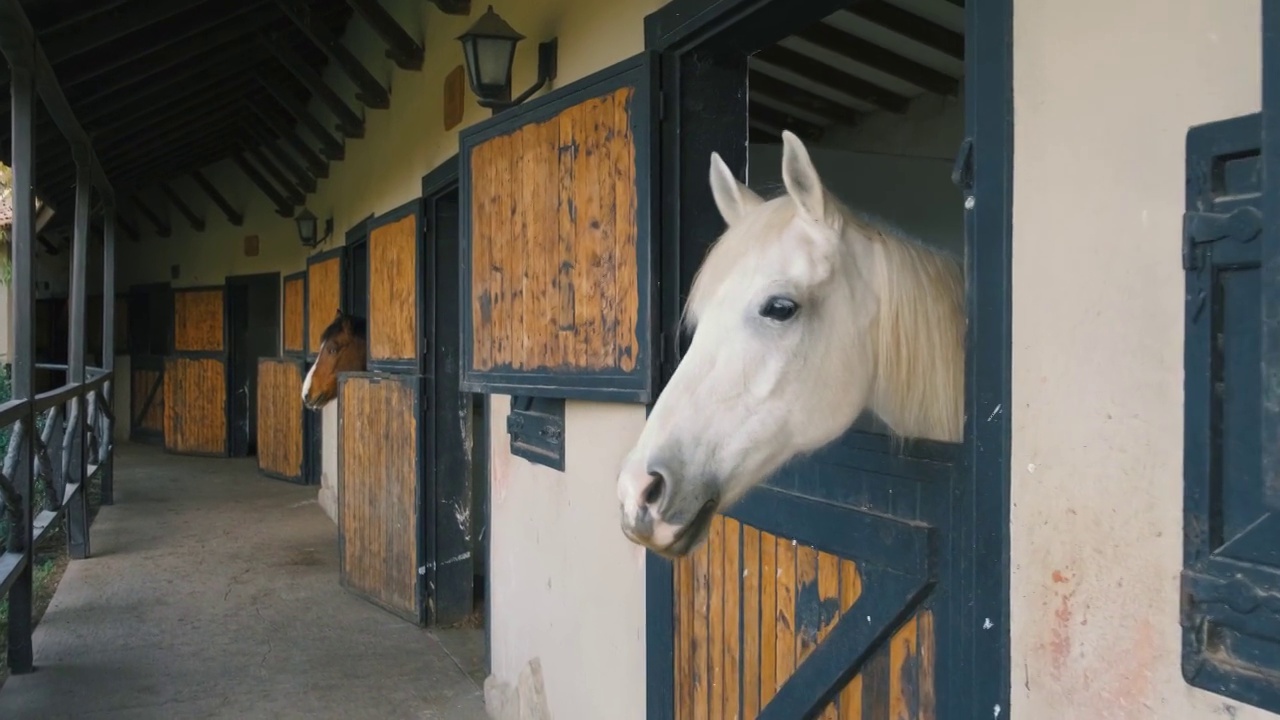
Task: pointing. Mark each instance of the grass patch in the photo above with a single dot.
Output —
(50, 563)
(51, 559)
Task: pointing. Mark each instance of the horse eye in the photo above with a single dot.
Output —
(779, 308)
(333, 349)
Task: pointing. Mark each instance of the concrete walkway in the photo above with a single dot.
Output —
(213, 592)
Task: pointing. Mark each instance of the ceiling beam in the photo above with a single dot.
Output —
(317, 165)
(349, 123)
(110, 98)
(74, 40)
(453, 7)
(852, 47)
(234, 216)
(288, 188)
(236, 21)
(283, 208)
(759, 135)
(18, 40)
(191, 152)
(128, 228)
(154, 136)
(196, 222)
(330, 146)
(783, 92)
(205, 77)
(162, 227)
(186, 106)
(369, 90)
(402, 49)
(911, 26)
(301, 177)
(65, 19)
(821, 73)
(779, 120)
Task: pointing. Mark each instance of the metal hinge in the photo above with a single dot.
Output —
(1203, 228)
(962, 171)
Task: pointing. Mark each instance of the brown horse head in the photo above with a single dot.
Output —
(342, 349)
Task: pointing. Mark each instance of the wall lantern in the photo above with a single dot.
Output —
(307, 228)
(489, 50)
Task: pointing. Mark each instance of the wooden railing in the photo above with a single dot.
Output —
(66, 455)
(61, 438)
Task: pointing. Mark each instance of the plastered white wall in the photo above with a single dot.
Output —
(1103, 95)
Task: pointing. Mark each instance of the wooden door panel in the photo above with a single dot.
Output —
(195, 374)
(557, 242)
(195, 410)
(324, 294)
(198, 320)
(294, 316)
(768, 626)
(146, 399)
(280, 418)
(378, 490)
(394, 269)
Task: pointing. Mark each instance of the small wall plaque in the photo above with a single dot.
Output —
(455, 94)
(251, 246)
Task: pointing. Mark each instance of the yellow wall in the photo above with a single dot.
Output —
(546, 582)
(1104, 92)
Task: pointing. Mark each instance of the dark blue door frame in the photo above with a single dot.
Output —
(703, 47)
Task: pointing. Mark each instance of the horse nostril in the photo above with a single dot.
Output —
(653, 493)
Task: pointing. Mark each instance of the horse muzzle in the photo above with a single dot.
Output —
(646, 524)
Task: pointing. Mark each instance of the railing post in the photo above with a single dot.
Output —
(22, 88)
(76, 500)
(107, 443)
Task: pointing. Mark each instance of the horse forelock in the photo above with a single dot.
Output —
(351, 324)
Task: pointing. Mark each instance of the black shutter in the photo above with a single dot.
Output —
(1231, 572)
(1270, 421)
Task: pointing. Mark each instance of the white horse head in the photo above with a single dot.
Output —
(803, 316)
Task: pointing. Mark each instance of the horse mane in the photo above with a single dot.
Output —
(353, 324)
(918, 333)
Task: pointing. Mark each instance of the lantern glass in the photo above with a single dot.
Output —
(489, 49)
(489, 61)
(306, 226)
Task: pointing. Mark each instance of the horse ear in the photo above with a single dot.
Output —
(802, 181)
(733, 199)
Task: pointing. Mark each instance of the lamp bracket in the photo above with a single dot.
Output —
(547, 67)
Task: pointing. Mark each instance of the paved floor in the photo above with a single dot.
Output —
(213, 593)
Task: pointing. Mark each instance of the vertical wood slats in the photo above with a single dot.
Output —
(751, 606)
(377, 486)
(324, 298)
(393, 273)
(195, 408)
(198, 320)
(294, 315)
(554, 260)
(141, 384)
(280, 417)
